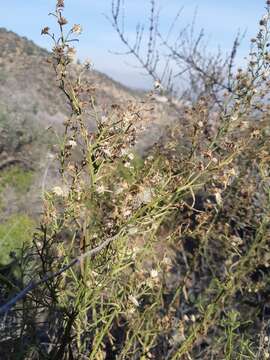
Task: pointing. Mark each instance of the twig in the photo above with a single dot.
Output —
(11, 161)
(33, 285)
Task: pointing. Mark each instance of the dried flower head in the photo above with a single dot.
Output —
(62, 21)
(72, 144)
(60, 191)
(76, 29)
(154, 274)
(88, 64)
(100, 189)
(60, 4)
(45, 30)
(131, 156)
(263, 22)
(71, 53)
(157, 85)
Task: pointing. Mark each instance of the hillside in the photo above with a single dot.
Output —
(30, 103)
(32, 109)
(28, 86)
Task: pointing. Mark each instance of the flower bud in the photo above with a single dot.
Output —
(62, 21)
(60, 4)
(77, 29)
(45, 30)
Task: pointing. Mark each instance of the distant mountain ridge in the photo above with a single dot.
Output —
(26, 79)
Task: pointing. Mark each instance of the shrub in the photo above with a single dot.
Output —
(17, 178)
(158, 257)
(14, 232)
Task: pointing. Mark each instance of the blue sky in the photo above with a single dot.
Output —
(220, 19)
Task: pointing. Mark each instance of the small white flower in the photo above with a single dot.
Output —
(124, 152)
(236, 240)
(127, 213)
(154, 273)
(119, 191)
(57, 190)
(39, 243)
(131, 156)
(72, 143)
(200, 124)
(133, 300)
(109, 224)
(185, 318)
(88, 64)
(71, 53)
(135, 252)
(167, 261)
(121, 188)
(60, 191)
(157, 85)
(107, 152)
(100, 189)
